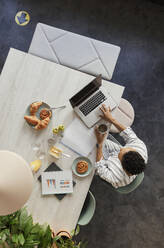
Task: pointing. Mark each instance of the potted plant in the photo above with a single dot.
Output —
(63, 234)
(17, 230)
(65, 240)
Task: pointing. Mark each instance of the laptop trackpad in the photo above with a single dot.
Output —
(93, 117)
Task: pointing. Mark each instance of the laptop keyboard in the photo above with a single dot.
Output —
(92, 103)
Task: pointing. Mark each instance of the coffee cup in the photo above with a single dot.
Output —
(102, 128)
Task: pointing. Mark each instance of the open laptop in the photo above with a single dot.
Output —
(86, 103)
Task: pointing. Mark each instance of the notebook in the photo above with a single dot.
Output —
(79, 138)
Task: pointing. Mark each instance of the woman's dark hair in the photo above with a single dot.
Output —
(133, 163)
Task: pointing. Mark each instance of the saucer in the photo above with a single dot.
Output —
(90, 166)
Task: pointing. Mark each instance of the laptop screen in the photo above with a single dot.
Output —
(87, 91)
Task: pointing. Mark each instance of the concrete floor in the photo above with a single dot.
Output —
(121, 221)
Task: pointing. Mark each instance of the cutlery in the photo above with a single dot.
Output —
(62, 153)
(61, 107)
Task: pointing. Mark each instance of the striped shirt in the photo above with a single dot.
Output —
(109, 167)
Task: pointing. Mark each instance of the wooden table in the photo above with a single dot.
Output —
(25, 79)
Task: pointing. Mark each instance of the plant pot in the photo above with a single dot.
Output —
(64, 234)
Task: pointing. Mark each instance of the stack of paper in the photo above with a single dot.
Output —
(79, 138)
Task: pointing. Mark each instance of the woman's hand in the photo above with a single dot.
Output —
(106, 113)
(99, 136)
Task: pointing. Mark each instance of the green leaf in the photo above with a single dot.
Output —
(29, 241)
(21, 239)
(3, 237)
(56, 238)
(28, 226)
(14, 229)
(6, 231)
(4, 234)
(23, 218)
(75, 231)
(46, 240)
(2, 226)
(35, 229)
(33, 236)
(44, 227)
(14, 238)
(30, 244)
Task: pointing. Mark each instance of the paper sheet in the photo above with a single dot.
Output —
(57, 182)
(79, 138)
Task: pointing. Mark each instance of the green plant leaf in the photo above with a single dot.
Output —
(75, 231)
(28, 226)
(35, 229)
(2, 226)
(56, 238)
(3, 236)
(14, 238)
(6, 231)
(44, 227)
(14, 221)
(47, 239)
(14, 229)
(21, 239)
(23, 218)
(29, 242)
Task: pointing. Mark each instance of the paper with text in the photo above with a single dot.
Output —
(57, 182)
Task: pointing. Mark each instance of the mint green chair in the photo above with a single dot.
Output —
(88, 210)
(132, 186)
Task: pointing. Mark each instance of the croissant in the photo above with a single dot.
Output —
(34, 107)
(31, 119)
(42, 124)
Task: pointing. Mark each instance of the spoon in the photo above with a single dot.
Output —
(66, 155)
(63, 153)
(58, 107)
(54, 108)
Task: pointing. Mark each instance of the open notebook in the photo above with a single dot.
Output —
(79, 138)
